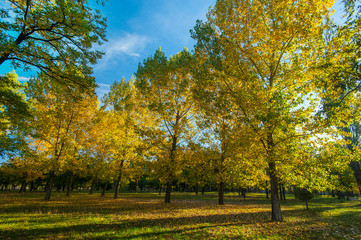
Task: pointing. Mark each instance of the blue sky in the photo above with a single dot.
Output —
(136, 28)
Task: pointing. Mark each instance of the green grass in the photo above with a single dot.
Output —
(145, 216)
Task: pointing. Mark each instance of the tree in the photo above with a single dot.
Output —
(52, 36)
(342, 82)
(261, 56)
(166, 85)
(304, 195)
(126, 119)
(56, 110)
(13, 110)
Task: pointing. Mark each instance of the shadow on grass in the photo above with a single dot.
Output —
(136, 228)
(196, 227)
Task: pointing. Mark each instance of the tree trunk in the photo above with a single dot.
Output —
(32, 186)
(275, 201)
(160, 189)
(280, 189)
(221, 193)
(69, 183)
(167, 192)
(104, 188)
(203, 190)
(23, 186)
(92, 185)
(117, 186)
(306, 205)
(197, 188)
(119, 180)
(267, 197)
(284, 192)
(50, 186)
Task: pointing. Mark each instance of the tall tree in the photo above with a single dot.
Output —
(342, 83)
(14, 108)
(166, 87)
(56, 111)
(261, 54)
(126, 119)
(52, 36)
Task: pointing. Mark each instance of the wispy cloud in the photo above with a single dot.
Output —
(23, 79)
(118, 48)
(102, 89)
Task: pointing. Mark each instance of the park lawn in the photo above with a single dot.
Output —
(145, 216)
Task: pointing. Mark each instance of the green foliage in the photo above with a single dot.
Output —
(14, 109)
(52, 36)
(304, 195)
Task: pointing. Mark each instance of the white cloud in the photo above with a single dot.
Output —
(102, 89)
(130, 45)
(23, 79)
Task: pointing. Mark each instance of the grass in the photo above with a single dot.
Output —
(145, 216)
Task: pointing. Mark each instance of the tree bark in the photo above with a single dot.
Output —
(284, 192)
(267, 197)
(203, 190)
(104, 189)
(32, 186)
(275, 201)
(23, 186)
(167, 192)
(119, 180)
(92, 185)
(50, 186)
(117, 186)
(197, 189)
(221, 193)
(69, 183)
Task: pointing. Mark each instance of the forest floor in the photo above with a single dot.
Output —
(145, 216)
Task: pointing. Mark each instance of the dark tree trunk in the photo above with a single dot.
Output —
(275, 201)
(306, 205)
(160, 189)
(167, 192)
(119, 180)
(70, 182)
(23, 186)
(117, 186)
(281, 194)
(267, 191)
(92, 185)
(32, 186)
(221, 193)
(50, 186)
(284, 192)
(244, 193)
(104, 188)
(197, 189)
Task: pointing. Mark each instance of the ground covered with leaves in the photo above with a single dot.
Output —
(145, 216)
